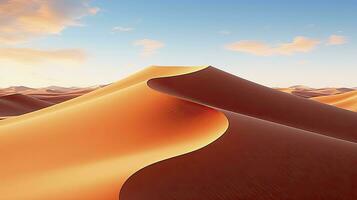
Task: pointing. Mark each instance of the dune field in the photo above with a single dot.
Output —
(19, 100)
(178, 133)
(344, 98)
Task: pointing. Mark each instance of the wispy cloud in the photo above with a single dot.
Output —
(21, 20)
(298, 45)
(336, 40)
(121, 29)
(224, 32)
(149, 47)
(34, 56)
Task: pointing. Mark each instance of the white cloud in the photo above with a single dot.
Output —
(122, 29)
(34, 56)
(22, 20)
(298, 45)
(336, 40)
(149, 47)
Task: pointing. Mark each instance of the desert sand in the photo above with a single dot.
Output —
(87, 148)
(17, 104)
(55, 94)
(180, 133)
(277, 146)
(307, 92)
(19, 100)
(346, 100)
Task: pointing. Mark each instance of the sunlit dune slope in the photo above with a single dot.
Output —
(143, 75)
(87, 147)
(16, 104)
(266, 153)
(346, 100)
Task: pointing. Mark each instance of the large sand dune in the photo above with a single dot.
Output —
(87, 147)
(180, 133)
(255, 158)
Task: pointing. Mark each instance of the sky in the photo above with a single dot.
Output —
(85, 43)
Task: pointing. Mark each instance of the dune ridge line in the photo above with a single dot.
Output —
(306, 141)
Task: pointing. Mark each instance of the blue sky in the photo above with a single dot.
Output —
(274, 43)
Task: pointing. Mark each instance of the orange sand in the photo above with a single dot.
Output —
(252, 142)
(346, 100)
(87, 147)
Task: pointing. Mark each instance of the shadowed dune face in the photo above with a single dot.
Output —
(88, 150)
(244, 97)
(17, 104)
(255, 158)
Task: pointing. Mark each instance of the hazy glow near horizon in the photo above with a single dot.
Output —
(84, 43)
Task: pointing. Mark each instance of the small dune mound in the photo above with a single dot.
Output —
(17, 104)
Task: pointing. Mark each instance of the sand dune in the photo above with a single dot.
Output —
(88, 150)
(307, 92)
(20, 100)
(56, 94)
(255, 159)
(17, 104)
(179, 133)
(339, 97)
(254, 100)
(16, 89)
(346, 100)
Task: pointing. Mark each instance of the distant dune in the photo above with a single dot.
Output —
(340, 97)
(181, 133)
(307, 92)
(17, 104)
(55, 94)
(346, 100)
(20, 100)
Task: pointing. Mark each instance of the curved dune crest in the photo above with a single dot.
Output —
(222, 90)
(180, 133)
(88, 150)
(268, 151)
(141, 76)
